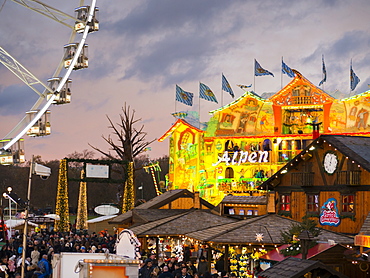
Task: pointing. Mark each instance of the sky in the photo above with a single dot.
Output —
(144, 48)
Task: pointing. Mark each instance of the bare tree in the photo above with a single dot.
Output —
(131, 141)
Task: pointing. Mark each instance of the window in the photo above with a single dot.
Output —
(313, 203)
(229, 173)
(284, 202)
(348, 204)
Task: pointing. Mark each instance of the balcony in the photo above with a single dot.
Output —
(301, 100)
(302, 179)
(349, 178)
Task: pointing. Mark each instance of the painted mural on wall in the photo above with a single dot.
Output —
(247, 117)
(358, 110)
(338, 118)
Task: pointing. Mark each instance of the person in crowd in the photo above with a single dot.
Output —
(35, 255)
(44, 267)
(177, 270)
(184, 273)
(165, 273)
(202, 266)
(146, 270)
(192, 269)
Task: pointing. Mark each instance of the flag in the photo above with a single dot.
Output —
(180, 115)
(206, 93)
(244, 86)
(323, 72)
(226, 86)
(354, 78)
(286, 69)
(259, 71)
(184, 97)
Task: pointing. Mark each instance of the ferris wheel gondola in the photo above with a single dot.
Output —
(58, 90)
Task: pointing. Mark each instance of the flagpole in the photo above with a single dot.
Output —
(322, 74)
(254, 77)
(350, 73)
(175, 102)
(222, 93)
(281, 74)
(199, 107)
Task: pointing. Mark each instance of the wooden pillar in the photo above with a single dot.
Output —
(209, 257)
(226, 258)
(157, 248)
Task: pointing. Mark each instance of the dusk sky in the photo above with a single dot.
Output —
(144, 48)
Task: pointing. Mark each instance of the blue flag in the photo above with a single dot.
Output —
(354, 78)
(206, 93)
(180, 115)
(184, 97)
(323, 72)
(259, 71)
(226, 86)
(286, 69)
(244, 86)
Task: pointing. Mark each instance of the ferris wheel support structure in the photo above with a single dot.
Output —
(30, 79)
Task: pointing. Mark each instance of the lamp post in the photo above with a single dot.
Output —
(43, 172)
(6, 196)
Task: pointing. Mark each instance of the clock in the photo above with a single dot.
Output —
(330, 162)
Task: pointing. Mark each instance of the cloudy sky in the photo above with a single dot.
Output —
(144, 48)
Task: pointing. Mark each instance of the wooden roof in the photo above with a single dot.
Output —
(176, 125)
(365, 229)
(270, 225)
(297, 268)
(356, 148)
(182, 223)
(252, 200)
(156, 203)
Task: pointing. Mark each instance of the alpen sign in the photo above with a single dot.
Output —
(329, 213)
(243, 157)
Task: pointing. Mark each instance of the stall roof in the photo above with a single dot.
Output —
(12, 223)
(297, 268)
(180, 224)
(253, 200)
(156, 203)
(365, 229)
(275, 255)
(100, 219)
(270, 225)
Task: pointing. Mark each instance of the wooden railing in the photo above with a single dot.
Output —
(302, 100)
(349, 178)
(302, 179)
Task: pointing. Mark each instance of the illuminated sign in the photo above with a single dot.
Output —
(329, 213)
(243, 157)
(362, 240)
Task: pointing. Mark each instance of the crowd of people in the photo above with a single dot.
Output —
(172, 268)
(40, 248)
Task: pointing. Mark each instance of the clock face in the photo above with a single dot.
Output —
(330, 162)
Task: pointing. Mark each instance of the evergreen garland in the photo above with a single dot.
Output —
(62, 208)
(291, 236)
(128, 201)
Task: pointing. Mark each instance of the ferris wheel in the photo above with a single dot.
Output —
(57, 89)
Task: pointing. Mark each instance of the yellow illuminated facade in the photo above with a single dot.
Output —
(248, 140)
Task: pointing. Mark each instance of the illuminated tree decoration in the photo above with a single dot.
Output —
(81, 223)
(128, 191)
(62, 208)
(151, 168)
